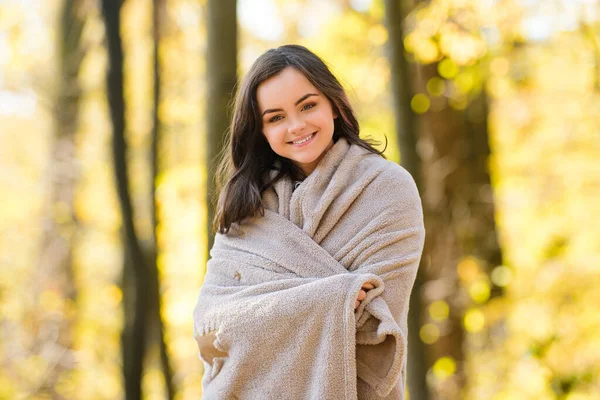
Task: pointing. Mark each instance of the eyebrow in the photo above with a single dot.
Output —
(300, 100)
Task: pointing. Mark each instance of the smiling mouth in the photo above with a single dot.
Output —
(304, 139)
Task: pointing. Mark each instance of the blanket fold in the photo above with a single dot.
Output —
(275, 315)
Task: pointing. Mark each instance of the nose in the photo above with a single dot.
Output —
(296, 125)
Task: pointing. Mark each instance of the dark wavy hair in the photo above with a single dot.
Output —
(247, 156)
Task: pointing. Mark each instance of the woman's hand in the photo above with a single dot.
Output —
(362, 294)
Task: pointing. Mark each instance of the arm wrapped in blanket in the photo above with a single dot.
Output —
(275, 316)
(390, 246)
(283, 339)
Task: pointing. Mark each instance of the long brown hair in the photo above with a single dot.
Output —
(241, 176)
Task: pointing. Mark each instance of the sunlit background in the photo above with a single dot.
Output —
(521, 321)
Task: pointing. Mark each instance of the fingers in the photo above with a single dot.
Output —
(368, 286)
(362, 294)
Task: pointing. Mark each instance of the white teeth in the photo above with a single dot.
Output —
(304, 140)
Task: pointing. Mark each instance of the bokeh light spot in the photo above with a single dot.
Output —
(439, 310)
(429, 333)
(464, 82)
(436, 86)
(447, 68)
(420, 103)
(474, 320)
(378, 35)
(468, 269)
(444, 367)
(480, 291)
(501, 276)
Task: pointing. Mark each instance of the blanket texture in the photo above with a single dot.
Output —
(275, 316)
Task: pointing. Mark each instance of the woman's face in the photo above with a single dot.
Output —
(293, 110)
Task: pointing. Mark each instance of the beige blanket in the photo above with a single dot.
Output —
(275, 316)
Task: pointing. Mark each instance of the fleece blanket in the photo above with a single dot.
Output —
(275, 316)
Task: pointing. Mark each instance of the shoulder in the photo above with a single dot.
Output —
(390, 174)
(393, 185)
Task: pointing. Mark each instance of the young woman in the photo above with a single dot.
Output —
(318, 241)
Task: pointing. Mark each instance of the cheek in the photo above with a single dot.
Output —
(273, 135)
(327, 121)
(326, 117)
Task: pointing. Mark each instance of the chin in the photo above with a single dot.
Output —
(304, 160)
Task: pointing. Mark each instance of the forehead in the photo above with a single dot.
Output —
(284, 88)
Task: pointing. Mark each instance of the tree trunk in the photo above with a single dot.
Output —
(459, 219)
(221, 68)
(135, 294)
(60, 224)
(158, 13)
(483, 240)
(406, 129)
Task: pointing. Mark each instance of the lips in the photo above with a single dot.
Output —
(302, 138)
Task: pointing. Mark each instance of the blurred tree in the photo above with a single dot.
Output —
(221, 75)
(459, 209)
(406, 130)
(136, 297)
(445, 204)
(157, 333)
(591, 32)
(461, 247)
(60, 224)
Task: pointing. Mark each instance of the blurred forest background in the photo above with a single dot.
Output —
(110, 115)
